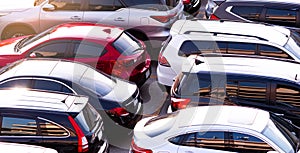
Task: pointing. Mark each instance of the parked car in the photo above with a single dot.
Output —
(17, 148)
(271, 85)
(278, 12)
(223, 37)
(117, 100)
(64, 122)
(107, 48)
(148, 20)
(214, 129)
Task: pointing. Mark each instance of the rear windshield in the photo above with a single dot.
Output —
(126, 44)
(88, 118)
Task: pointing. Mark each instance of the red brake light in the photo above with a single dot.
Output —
(119, 111)
(137, 149)
(164, 19)
(162, 60)
(83, 145)
(179, 103)
(185, 2)
(214, 17)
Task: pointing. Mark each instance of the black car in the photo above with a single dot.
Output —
(64, 122)
(118, 101)
(263, 83)
(279, 12)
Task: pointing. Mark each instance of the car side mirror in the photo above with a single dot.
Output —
(48, 7)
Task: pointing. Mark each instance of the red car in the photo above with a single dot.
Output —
(107, 48)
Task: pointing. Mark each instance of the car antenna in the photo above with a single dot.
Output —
(197, 61)
(296, 77)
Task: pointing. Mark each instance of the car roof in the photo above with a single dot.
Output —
(237, 116)
(268, 1)
(266, 67)
(269, 33)
(22, 98)
(85, 30)
(68, 70)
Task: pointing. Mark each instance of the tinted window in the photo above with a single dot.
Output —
(53, 50)
(88, 118)
(52, 130)
(196, 47)
(50, 86)
(86, 50)
(211, 139)
(248, 12)
(232, 89)
(281, 17)
(192, 85)
(22, 83)
(271, 51)
(241, 48)
(221, 47)
(66, 4)
(126, 44)
(104, 5)
(247, 143)
(288, 94)
(18, 126)
(252, 90)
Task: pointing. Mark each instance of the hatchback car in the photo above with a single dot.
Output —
(214, 129)
(148, 20)
(272, 85)
(64, 122)
(278, 12)
(223, 37)
(117, 100)
(107, 48)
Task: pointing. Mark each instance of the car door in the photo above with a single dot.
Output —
(51, 49)
(60, 11)
(110, 12)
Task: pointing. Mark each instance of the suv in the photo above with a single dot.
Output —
(146, 20)
(223, 37)
(117, 100)
(267, 84)
(64, 122)
(279, 12)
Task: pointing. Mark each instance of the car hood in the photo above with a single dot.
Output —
(122, 91)
(7, 46)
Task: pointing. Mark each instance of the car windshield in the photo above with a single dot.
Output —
(127, 45)
(282, 135)
(98, 82)
(293, 43)
(146, 4)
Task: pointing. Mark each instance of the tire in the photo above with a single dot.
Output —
(16, 31)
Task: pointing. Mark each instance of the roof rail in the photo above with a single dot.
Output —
(224, 33)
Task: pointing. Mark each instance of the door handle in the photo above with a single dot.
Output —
(119, 19)
(75, 18)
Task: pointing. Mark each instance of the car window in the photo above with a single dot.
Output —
(247, 143)
(51, 50)
(87, 50)
(281, 17)
(66, 5)
(196, 47)
(18, 83)
(88, 118)
(270, 51)
(241, 48)
(104, 5)
(52, 130)
(287, 94)
(126, 44)
(254, 91)
(248, 12)
(50, 86)
(193, 85)
(157, 5)
(15, 126)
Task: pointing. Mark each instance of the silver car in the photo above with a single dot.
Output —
(147, 19)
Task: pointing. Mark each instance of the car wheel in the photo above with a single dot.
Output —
(16, 31)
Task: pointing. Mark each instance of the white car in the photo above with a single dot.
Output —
(9, 147)
(215, 129)
(225, 38)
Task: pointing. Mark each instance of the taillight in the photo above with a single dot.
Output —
(164, 18)
(214, 17)
(162, 60)
(119, 111)
(178, 103)
(83, 145)
(185, 2)
(137, 149)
